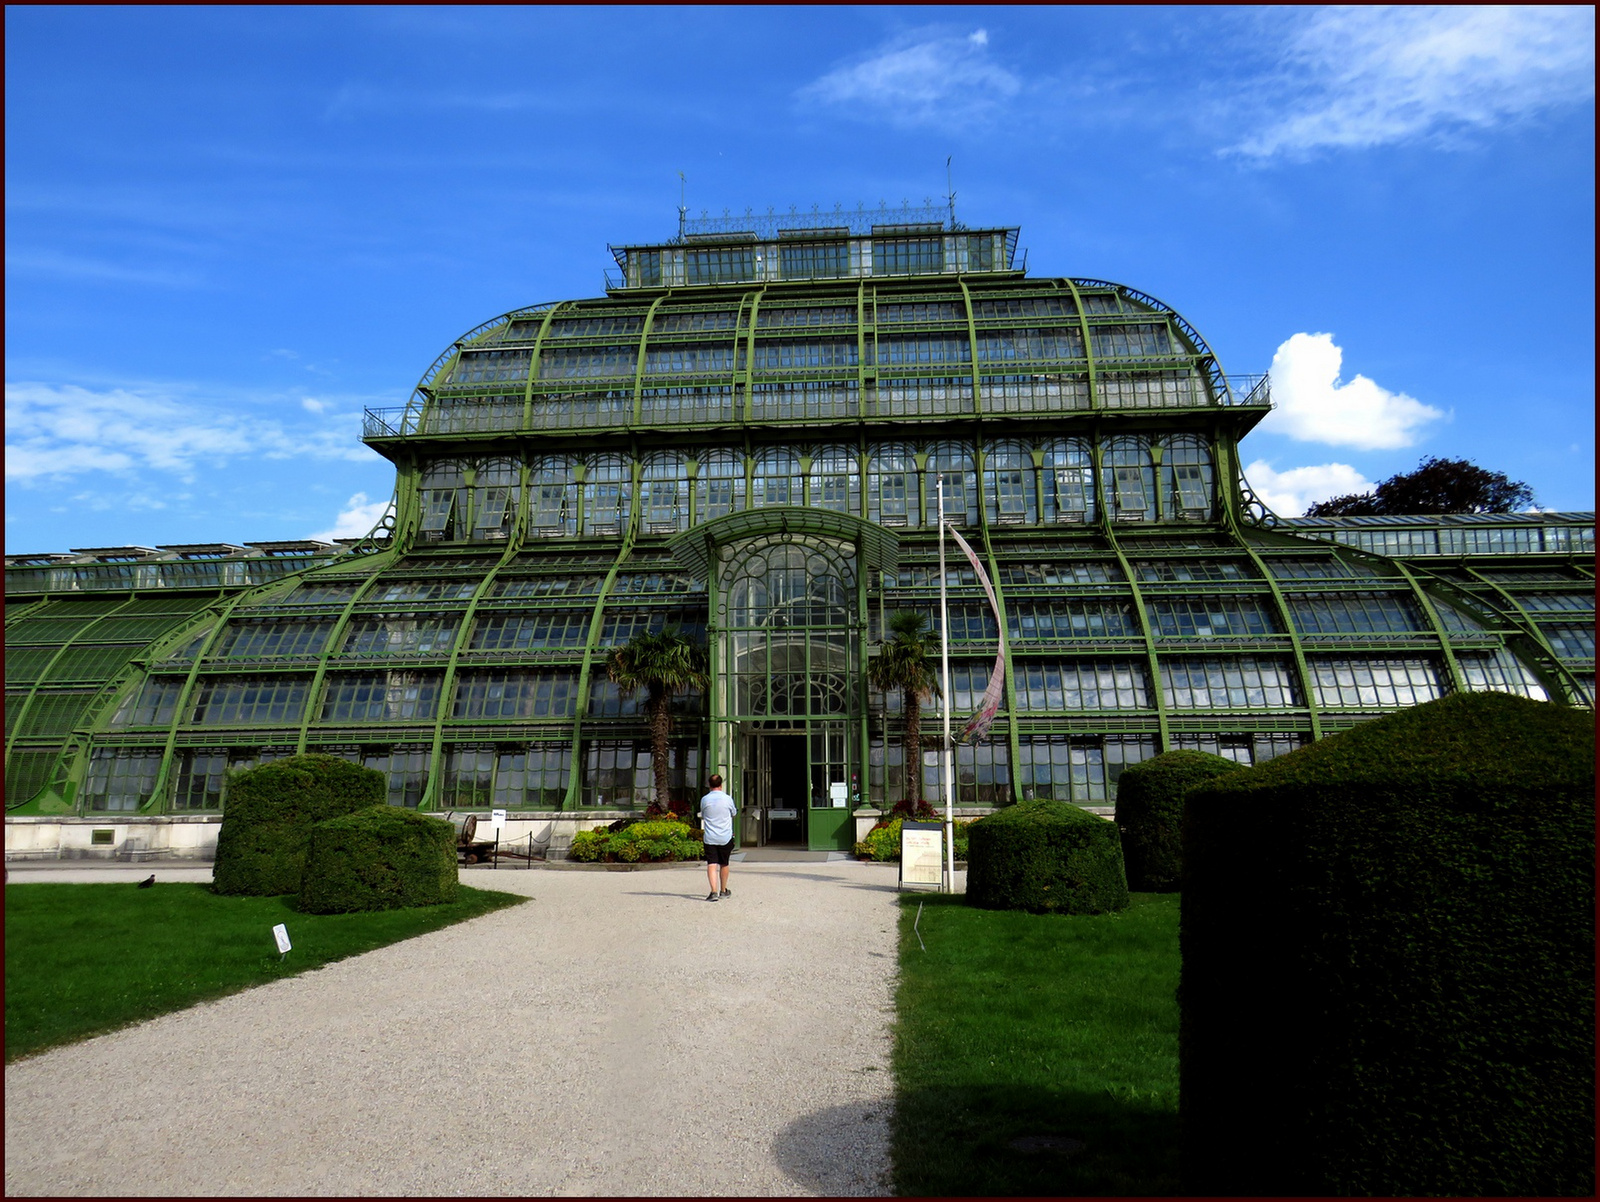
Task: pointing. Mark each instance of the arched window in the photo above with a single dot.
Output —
(1008, 492)
(607, 495)
(835, 479)
(950, 463)
(444, 500)
(1068, 479)
(1188, 480)
(1128, 479)
(552, 483)
(719, 488)
(494, 498)
(777, 479)
(664, 493)
(786, 617)
(892, 494)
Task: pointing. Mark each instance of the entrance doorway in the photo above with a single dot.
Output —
(775, 790)
(794, 788)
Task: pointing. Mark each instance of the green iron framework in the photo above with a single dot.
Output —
(743, 439)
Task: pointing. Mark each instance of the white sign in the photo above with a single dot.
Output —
(838, 792)
(497, 819)
(921, 853)
(281, 934)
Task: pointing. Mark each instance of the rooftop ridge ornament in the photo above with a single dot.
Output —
(859, 220)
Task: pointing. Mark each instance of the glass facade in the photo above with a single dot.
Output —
(748, 440)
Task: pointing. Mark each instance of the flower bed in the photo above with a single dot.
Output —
(883, 842)
(650, 842)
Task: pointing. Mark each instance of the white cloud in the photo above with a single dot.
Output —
(1365, 76)
(1290, 493)
(358, 516)
(312, 406)
(1311, 405)
(57, 431)
(925, 77)
(77, 267)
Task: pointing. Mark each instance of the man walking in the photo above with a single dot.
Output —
(716, 826)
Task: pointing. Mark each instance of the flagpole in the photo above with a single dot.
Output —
(944, 672)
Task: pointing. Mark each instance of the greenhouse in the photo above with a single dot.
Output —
(745, 438)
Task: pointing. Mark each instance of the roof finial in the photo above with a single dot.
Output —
(949, 181)
(683, 204)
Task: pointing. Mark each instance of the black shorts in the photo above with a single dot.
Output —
(718, 853)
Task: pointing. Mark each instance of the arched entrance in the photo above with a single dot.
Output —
(786, 609)
(787, 703)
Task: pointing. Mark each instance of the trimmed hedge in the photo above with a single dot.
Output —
(271, 809)
(1045, 857)
(1150, 814)
(1388, 960)
(381, 858)
(651, 841)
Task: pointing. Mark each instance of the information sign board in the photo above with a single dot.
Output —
(281, 934)
(838, 793)
(497, 819)
(921, 853)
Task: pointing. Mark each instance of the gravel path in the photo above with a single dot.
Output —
(617, 1035)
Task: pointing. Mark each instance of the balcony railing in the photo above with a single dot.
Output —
(584, 411)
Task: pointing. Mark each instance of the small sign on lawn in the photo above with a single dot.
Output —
(281, 934)
(921, 853)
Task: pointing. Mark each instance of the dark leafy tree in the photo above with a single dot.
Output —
(903, 665)
(1437, 486)
(663, 665)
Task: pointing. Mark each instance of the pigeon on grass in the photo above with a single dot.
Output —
(148, 881)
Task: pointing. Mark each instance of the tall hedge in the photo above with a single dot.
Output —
(1150, 814)
(270, 811)
(382, 858)
(1388, 960)
(1045, 857)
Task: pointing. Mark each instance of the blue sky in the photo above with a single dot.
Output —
(228, 230)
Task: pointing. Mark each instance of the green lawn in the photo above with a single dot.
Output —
(85, 959)
(1016, 1025)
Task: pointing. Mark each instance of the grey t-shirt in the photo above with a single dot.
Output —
(716, 817)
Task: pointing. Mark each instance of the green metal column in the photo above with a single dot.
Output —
(1157, 693)
(972, 346)
(441, 714)
(1458, 682)
(1286, 616)
(638, 368)
(533, 363)
(331, 647)
(1088, 355)
(580, 708)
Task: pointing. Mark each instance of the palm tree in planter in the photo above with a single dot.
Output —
(663, 664)
(902, 665)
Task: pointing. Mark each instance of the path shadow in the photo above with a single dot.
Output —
(840, 1152)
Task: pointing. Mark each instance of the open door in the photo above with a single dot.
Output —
(828, 825)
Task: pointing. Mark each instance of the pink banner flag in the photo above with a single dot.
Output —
(977, 726)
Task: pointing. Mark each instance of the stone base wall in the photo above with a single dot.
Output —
(194, 837)
(132, 838)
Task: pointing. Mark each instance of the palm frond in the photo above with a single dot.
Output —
(663, 662)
